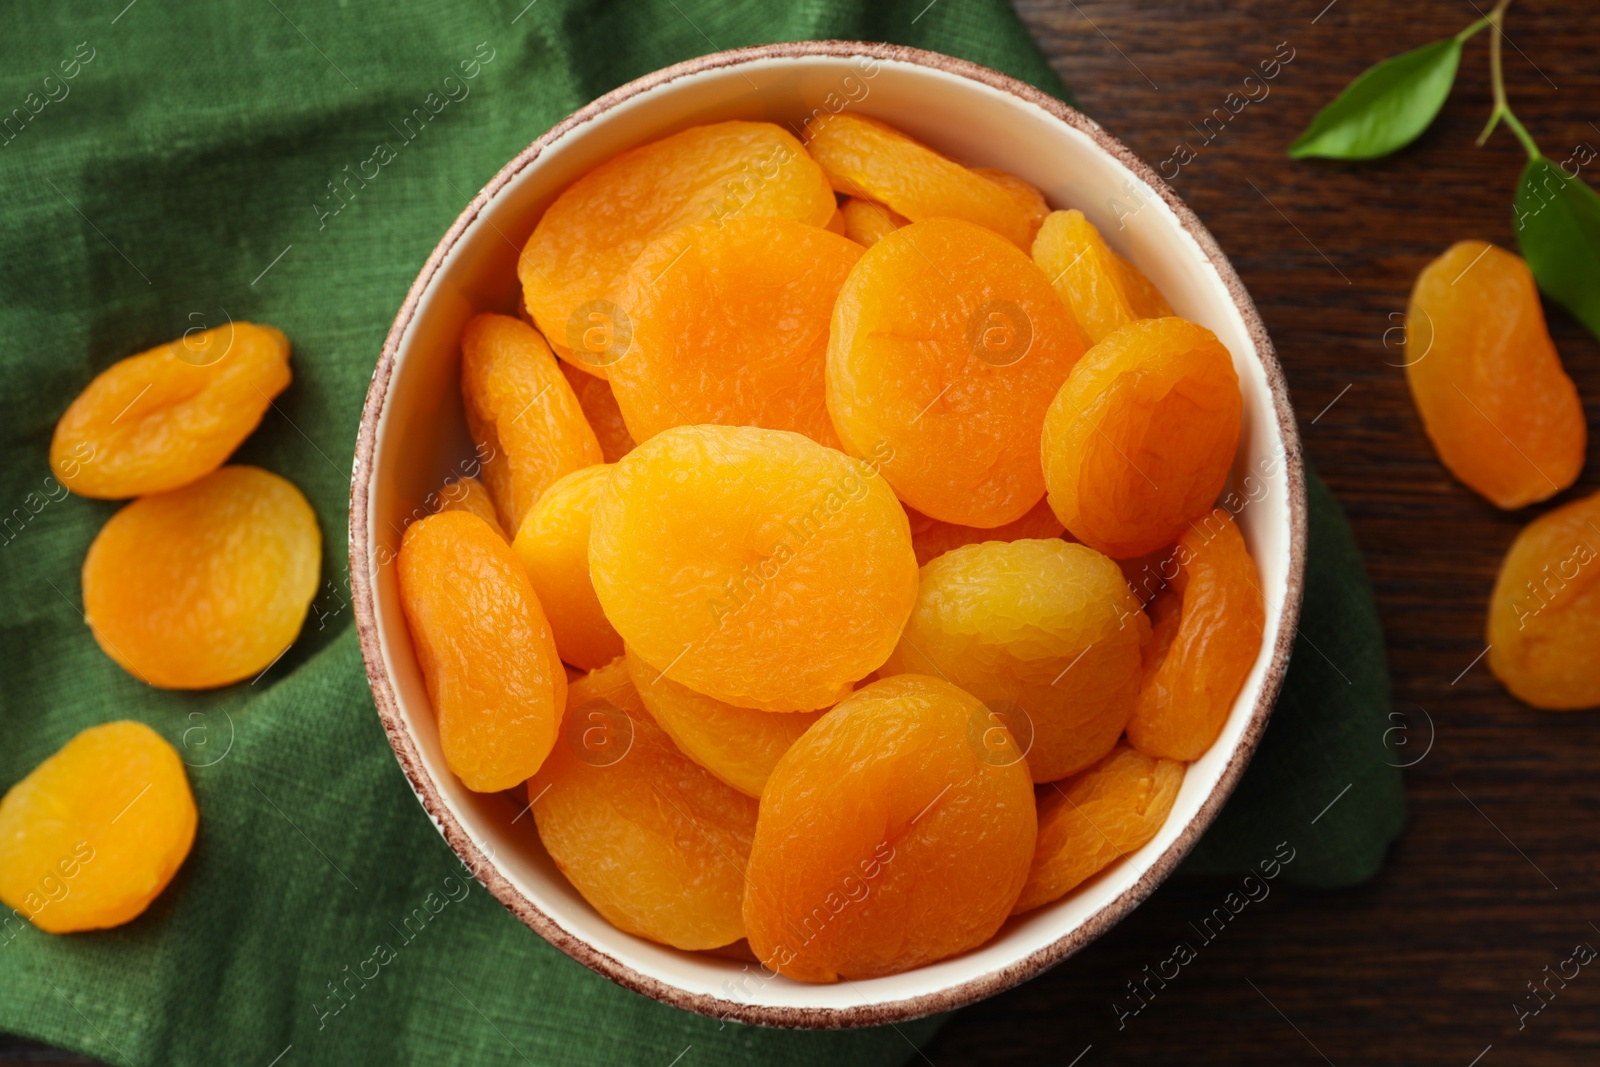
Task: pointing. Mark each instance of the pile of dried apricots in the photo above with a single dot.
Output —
(796, 588)
(203, 580)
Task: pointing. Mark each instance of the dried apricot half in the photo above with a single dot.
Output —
(94, 833)
(730, 325)
(886, 839)
(867, 222)
(1544, 614)
(1090, 822)
(590, 236)
(1189, 687)
(484, 646)
(1044, 632)
(1139, 441)
(649, 838)
(755, 566)
(866, 158)
(932, 538)
(553, 545)
(169, 416)
(600, 408)
(738, 745)
(1027, 194)
(207, 584)
(469, 494)
(522, 413)
(1488, 382)
(1103, 290)
(946, 347)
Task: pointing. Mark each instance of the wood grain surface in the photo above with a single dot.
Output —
(1495, 878)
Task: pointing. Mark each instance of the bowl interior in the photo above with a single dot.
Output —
(420, 439)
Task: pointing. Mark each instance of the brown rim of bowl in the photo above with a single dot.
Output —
(458, 837)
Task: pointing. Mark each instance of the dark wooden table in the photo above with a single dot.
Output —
(1422, 965)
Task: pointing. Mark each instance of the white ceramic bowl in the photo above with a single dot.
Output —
(413, 436)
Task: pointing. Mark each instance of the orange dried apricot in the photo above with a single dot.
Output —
(1487, 380)
(836, 223)
(1544, 614)
(863, 157)
(1028, 195)
(1103, 290)
(204, 585)
(169, 416)
(553, 545)
(522, 413)
(932, 538)
(738, 745)
(600, 408)
(1090, 822)
(886, 838)
(1044, 632)
(1140, 439)
(755, 566)
(947, 344)
(1188, 691)
(730, 325)
(484, 647)
(94, 833)
(866, 222)
(590, 236)
(468, 494)
(649, 838)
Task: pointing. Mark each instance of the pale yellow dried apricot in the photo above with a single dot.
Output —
(649, 838)
(886, 839)
(1044, 632)
(553, 545)
(1139, 441)
(523, 415)
(485, 649)
(1088, 823)
(932, 538)
(755, 566)
(1544, 614)
(171, 415)
(947, 345)
(1103, 290)
(600, 409)
(94, 833)
(207, 584)
(867, 222)
(738, 745)
(468, 494)
(730, 325)
(590, 236)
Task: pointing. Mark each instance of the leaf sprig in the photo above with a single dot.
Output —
(1389, 105)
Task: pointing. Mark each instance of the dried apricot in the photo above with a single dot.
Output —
(1544, 615)
(522, 414)
(836, 224)
(590, 236)
(1028, 195)
(204, 585)
(1188, 691)
(655, 843)
(1103, 290)
(1090, 822)
(1487, 380)
(886, 839)
(754, 566)
(94, 833)
(469, 494)
(932, 538)
(169, 416)
(730, 325)
(1044, 632)
(600, 408)
(863, 157)
(867, 222)
(946, 347)
(1140, 439)
(738, 745)
(484, 647)
(553, 545)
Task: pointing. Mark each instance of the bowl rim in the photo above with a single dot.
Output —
(481, 864)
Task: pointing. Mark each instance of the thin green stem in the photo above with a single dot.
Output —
(1502, 107)
(1472, 31)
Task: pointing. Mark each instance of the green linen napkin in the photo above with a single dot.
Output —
(166, 165)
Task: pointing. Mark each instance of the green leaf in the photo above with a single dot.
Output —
(1386, 107)
(1558, 228)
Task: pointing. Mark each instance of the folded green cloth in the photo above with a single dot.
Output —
(167, 166)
